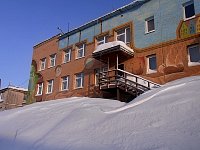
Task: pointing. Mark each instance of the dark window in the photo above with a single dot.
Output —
(194, 53)
(189, 10)
(150, 26)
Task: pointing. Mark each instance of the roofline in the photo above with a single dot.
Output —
(15, 89)
(45, 41)
(105, 17)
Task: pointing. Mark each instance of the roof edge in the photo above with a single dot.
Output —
(104, 17)
(47, 40)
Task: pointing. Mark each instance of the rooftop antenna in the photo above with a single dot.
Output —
(60, 30)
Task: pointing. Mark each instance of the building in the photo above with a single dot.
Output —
(12, 97)
(120, 54)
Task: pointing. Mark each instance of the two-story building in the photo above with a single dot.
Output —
(120, 54)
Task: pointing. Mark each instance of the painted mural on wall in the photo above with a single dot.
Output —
(173, 61)
(32, 83)
(137, 65)
(189, 27)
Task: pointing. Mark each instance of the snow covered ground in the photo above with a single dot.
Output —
(167, 118)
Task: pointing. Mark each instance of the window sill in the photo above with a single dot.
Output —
(186, 19)
(64, 90)
(148, 32)
(48, 93)
(77, 88)
(80, 57)
(66, 62)
(151, 71)
(190, 64)
(50, 67)
(38, 95)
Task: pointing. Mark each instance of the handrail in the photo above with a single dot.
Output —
(105, 78)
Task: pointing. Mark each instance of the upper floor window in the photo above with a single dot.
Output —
(52, 60)
(102, 40)
(124, 35)
(79, 78)
(42, 63)
(80, 51)
(188, 10)
(151, 64)
(39, 88)
(49, 86)
(194, 55)
(149, 25)
(67, 56)
(65, 83)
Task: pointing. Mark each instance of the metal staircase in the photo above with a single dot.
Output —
(128, 82)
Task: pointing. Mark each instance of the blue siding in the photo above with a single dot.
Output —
(167, 15)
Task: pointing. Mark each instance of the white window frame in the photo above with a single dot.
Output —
(149, 71)
(65, 81)
(52, 57)
(147, 26)
(103, 41)
(78, 49)
(38, 87)
(49, 83)
(184, 12)
(67, 54)
(42, 64)
(77, 77)
(190, 63)
(125, 35)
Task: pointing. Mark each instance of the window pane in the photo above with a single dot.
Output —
(194, 54)
(128, 35)
(152, 63)
(121, 31)
(150, 24)
(65, 83)
(79, 80)
(189, 10)
(121, 38)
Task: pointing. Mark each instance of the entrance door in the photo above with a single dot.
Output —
(121, 67)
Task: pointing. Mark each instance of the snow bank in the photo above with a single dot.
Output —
(161, 119)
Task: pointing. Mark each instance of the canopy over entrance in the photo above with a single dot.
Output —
(106, 50)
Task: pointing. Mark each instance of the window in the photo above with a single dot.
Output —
(79, 80)
(49, 86)
(102, 40)
(53, 60)
(124, 35)
(80, 51)
(188, 10)
(42, 63)
(65, 83)
(149, 25)
(67, 56)
(194, 55)
(39, 88)
(151, 64)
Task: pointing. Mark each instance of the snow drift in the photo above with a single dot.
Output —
(166, 118)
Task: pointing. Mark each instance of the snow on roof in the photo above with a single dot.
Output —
(108, 45)
(17, 88)
(164, 118)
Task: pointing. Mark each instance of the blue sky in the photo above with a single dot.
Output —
(24, 23)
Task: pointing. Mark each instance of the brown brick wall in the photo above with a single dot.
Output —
(172, 63)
